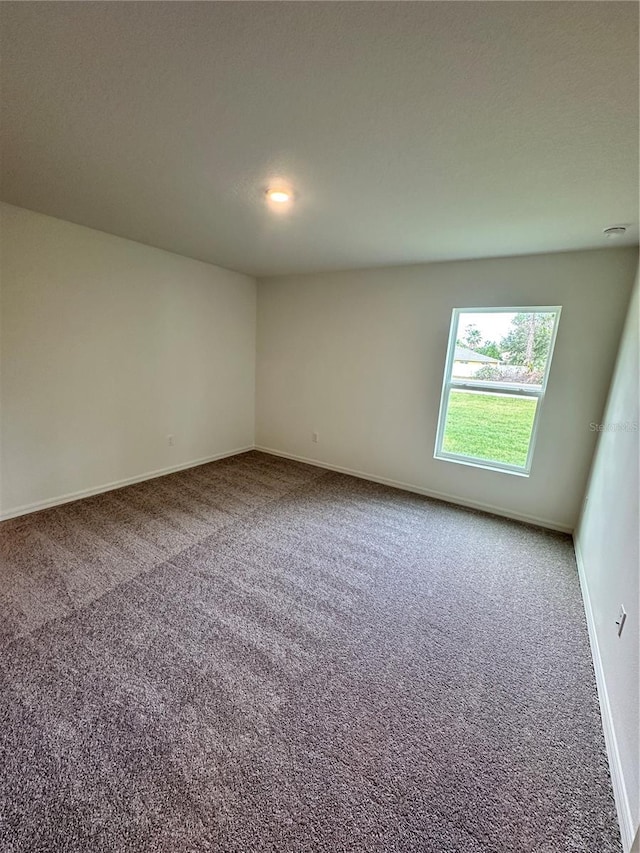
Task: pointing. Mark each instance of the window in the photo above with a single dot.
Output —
(494, 385)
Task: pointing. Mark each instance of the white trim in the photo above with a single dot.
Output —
(473, 462)
(449, 384)
(25, 509)
(418, 490)
(621, 796)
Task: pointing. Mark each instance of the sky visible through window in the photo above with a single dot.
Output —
(492, 327)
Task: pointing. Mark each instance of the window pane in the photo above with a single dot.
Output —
(489, 427)
(503, 347)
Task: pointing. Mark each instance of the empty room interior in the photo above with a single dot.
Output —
(319, 464)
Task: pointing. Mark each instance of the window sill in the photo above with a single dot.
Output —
(479, 463)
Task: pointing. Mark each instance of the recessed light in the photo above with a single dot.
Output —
(280, 196)
(615, 231)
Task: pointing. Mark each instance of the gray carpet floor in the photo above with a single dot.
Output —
(257, 655)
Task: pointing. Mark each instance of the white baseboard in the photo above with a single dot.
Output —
(409, 487)
(25, 509)
(621, 796)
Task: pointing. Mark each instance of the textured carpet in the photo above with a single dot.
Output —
(257, 655)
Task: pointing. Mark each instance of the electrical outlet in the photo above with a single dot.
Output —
(170, 440)
(315, 437)
(622, 616)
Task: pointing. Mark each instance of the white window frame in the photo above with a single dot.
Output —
(517, 389)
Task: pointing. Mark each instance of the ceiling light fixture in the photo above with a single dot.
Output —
(615, 231)
(280, 196)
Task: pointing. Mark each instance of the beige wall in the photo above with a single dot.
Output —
(359, 358)
(609, 557)
(108, 347)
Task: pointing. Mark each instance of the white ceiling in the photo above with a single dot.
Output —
(410, 131)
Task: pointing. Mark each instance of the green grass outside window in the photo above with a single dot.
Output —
(489, 427)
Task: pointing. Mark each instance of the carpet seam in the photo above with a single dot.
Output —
(76, 611)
